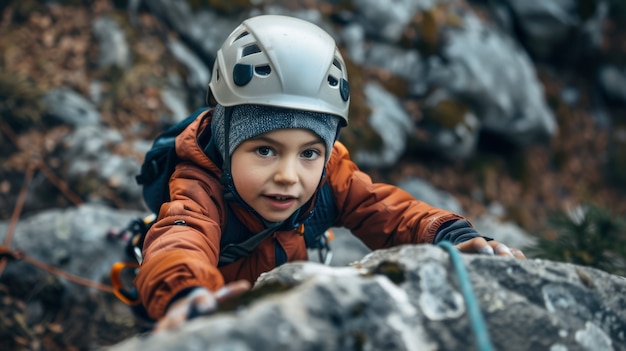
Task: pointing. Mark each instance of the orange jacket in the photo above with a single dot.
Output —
(181, 249)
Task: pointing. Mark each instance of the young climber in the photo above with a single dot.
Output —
(267, 158)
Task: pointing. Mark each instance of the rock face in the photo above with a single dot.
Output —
(409, 298)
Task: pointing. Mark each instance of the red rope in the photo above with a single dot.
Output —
(5, 250)
(16, 214)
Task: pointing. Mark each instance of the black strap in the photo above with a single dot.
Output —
(232, 252)
(226, 178)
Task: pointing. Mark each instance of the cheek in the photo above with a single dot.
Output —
(313, 176)
(242, 173)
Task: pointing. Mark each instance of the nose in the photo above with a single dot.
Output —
(286, 172)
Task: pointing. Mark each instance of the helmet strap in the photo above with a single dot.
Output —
(227, 178)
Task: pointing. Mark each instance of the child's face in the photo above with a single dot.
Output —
(278, 172)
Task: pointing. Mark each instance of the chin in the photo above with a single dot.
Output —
(275, 218)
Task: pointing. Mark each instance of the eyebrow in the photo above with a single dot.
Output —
(269, 140)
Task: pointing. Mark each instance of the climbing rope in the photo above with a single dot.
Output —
(483, 341)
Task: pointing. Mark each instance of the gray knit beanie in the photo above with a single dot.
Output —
(248, 121)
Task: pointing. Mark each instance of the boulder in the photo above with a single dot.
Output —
(409, 298)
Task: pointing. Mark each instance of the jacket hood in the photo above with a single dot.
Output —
(195, 144)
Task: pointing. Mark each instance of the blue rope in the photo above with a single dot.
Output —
(483, 342)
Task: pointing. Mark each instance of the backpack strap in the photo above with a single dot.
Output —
(159, 164)
(234, 244)
(234, 251)
(324, 215)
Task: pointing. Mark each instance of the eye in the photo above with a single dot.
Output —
(310, 154)
(264, 151)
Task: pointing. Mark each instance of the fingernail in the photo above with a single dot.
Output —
(518, 252)
(486, 250)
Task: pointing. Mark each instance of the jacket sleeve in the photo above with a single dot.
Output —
(181, 249)
(381, 215)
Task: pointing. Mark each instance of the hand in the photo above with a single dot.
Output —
(200, 301)
(482, 246)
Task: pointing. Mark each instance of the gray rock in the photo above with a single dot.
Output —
(70, 107)
(174, 97)
(353, 37)
(391, 122)
(89, 156)
(387, 19)
(506, 232)
(456, 142)
(424, 191)
(113, 47)
(498, 79)
(612, 80)
(550, 27)
(64, 276)
(204, 30)
(409, 298)
(73, 240)
(477, 66)
(198, 73)
(405, 63)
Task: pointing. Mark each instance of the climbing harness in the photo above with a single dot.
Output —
(127, 295)
(123, 273)
(481, 333)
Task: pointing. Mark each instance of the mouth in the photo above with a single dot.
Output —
(281, 197)
(280, 202)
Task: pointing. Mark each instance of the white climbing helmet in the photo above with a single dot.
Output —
(281, 61)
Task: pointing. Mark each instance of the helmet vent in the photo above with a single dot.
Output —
(264, 70)
(250, 49)
(337, 64)
(332, 81)
(243, 34)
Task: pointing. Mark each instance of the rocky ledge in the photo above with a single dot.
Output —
(410, 298)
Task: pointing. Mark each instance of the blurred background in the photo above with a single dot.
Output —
(510, 112)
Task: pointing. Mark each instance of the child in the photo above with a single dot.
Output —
(267, 158)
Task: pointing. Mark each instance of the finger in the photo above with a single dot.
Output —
(176, 315)
(517, 253)
(199, 302)
(232, 290)
(484, 248)
(161, 326)
(202, 301)
(503, 250)
(167, 323)
(476, 245)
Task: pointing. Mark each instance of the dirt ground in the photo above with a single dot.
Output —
(44, 47)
